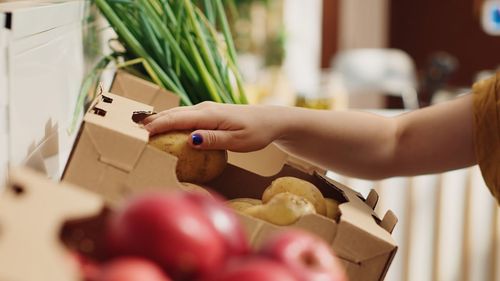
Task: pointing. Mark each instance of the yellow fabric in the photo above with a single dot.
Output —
(487, 131)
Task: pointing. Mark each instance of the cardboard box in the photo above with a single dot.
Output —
(39, 221)
(112, 157)
(360, 238)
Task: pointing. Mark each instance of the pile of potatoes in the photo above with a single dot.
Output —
(285, 201)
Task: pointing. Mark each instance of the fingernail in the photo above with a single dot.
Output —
(197, 139)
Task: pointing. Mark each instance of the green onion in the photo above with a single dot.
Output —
(179, 46)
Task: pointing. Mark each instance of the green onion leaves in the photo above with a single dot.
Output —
(185, 46)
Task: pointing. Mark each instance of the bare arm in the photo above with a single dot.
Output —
(359, 144)
(430, 140)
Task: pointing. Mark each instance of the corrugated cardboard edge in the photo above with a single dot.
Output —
(29, 245)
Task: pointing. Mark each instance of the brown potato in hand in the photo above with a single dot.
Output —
(196, 166)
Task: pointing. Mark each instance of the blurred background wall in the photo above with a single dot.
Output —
(442, 32)
(448, 228)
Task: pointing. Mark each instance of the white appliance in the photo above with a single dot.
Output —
(41, 70)
(3, 103)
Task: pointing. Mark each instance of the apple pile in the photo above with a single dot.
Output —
(195, 236)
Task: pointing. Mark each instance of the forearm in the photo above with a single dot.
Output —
(353, 143)
(365, 145)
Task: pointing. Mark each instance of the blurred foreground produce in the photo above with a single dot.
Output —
(187, 235)
(194, 236)
(130, 269)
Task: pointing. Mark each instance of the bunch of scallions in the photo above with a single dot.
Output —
(185, 46)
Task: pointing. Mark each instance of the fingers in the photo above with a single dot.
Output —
(180, 120)
(212, 139)
(151, 118)
(199, 106)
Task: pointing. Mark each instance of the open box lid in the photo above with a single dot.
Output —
(118, 140)
(29, 245)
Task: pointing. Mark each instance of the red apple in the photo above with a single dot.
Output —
(307, 256)
(170, 230)
(132, 269)
(224, 221)
(89, 269)
(253, 269)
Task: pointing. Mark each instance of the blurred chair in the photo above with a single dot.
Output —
(390, 71)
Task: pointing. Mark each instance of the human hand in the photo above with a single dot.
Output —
(240, 128)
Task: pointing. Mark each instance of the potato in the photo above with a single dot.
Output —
(241, 204)
(298, 187)
(191, 187)
(196, 166)
(332, 208)
(283, 209)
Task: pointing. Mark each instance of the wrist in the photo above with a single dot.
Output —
(288, 123)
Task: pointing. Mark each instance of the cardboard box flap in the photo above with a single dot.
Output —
(372, 199)
(265, 162)
(358, 245)
(135, 88)
(110, 120)
(29, 248)
(270, 161)
(389, 221)
(358, 225)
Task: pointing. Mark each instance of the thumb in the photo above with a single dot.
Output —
(211, 139)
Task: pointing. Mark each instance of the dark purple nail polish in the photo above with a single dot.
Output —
(197, 139)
